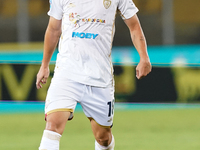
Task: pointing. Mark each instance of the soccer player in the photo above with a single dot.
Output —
(84, 71)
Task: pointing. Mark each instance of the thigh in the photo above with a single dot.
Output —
(98, 104)
(63, 95)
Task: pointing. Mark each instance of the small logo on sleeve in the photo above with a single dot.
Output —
(50, 2)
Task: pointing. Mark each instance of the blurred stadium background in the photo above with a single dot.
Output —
(172, 30)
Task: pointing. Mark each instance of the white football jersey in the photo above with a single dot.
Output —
(85, 45)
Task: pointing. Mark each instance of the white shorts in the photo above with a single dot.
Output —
(97, 102)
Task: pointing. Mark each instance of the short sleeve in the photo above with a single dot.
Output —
(127, 8)
(56, 9)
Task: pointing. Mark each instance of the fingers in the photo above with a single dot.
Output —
(143, 71)
(42, 77)
(38, 83)
(140, 75)
(40, 80)
(44, 80)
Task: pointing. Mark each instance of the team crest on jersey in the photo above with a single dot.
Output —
(106, 3)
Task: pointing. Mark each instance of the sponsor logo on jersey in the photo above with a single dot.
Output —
(93, 20)
(106, 3)
(75, 19)
(84, 35)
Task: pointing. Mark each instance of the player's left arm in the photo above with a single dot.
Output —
(144, 66)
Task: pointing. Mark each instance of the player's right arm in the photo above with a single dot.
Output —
(52, 36)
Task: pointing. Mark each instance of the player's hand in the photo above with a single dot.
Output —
(42, 76)
(143, 68)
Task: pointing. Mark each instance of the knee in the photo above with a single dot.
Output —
(56, 121)
(52, 126)
(103, 139)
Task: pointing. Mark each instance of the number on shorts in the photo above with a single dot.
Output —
(111, 107)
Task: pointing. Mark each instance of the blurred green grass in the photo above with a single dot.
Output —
(167, 129)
